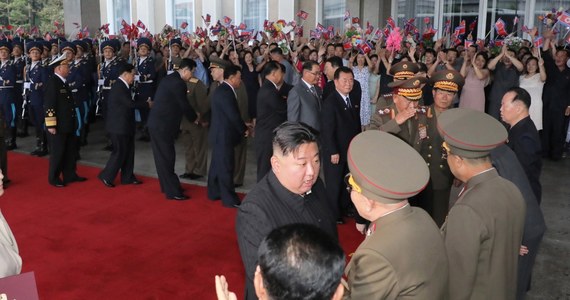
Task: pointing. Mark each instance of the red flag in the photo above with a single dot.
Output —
(499, 43)
(34, 30)
(303, 14)
(365, 47)
(242, 26)
(124, 31)
(468, 43)
(538, 41)
(227, 21)
(184, 25)
(472, 25)
(9, 27)
(141, 25)
(320, 27)
(391, 22)
(19, 30)
(501, 27)
(347, 46)
(330, 29)
(516, 20)
(480, 43)
(355, 20)
(564, 18)
(347, 15)
(207, 19)
(47, 37)
(124, 23)
(427, 20)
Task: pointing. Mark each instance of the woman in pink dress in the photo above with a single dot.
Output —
(476, 78)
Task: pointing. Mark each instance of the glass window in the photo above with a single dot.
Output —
(418, 9)
(122, 11)
(183, 11)
(507, 10)
(254, 13)
(457, 10)
(333, 14)
(542, 7)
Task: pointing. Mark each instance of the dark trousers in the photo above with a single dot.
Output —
(165, 158)
(3, 155)
(263, 153)
(336, 189)
(220, 178)
(122, 158)
(553, 134)
(8, 108)
(526, 263)
(37, 116)
(62, 159)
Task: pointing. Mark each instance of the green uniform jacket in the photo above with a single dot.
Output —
(197, 95)
(483, 234)
(412, 131)
(431, 151)
(403, 259)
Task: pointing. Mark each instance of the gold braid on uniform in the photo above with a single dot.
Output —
(50, 119)
(446, 86)
(411, 94)
(403, 75)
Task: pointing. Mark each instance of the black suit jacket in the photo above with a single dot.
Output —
(271, 111)
(356, 92)
(170, 105)
(226, 125)
(121, 110)
(339, 124)
(525, 142)
(59, 106)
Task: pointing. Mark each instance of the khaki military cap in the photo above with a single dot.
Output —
(447, 80)
(410, 88)
(394, 173)
(469, 133)
(216, 62)
(404, 70)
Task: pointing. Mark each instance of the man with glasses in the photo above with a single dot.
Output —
(435, 198)
(403, 256)
(484, 228)
(305, 99)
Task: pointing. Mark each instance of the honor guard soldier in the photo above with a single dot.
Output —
(46, 52)
(403, 118)
(19, 63)
(36, 76)
(484, 228)
(108, 71)
(79, 79)
(7, 93)
(435, 198)
(195, 135)
(400, 71)
(145, 84)
(174, 60)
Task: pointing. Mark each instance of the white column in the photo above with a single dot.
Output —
(286, 10)
(482, 19)
(145, 12)
(71, 14)
(212, 7)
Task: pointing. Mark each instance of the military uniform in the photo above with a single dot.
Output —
(37, 77)
(195, 136)
(173, 62)
(401, 71)
(241, 148)
(146, 85)
(8, 96)
(484, 228)
(393, 261)
(108, 74)
(78, 80)
(19, 65)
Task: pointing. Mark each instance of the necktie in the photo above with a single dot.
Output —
(348, 104)
(314, 92)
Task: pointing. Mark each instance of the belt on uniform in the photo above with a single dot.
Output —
(6, 87)
(19, 81)
(74, 90)
(106, 87)
(148, 81)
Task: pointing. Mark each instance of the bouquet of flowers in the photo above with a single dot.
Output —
(394, 40)
(166, 34)
(513, 43)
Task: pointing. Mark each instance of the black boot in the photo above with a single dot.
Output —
(23, 128)
(43, 146)
(11, 139)
(38, 146)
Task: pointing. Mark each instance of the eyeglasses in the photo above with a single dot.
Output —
(316, 73)
(445, 151)
(351, 184)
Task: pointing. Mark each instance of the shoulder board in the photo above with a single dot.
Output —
(384, 111)
(194, 80)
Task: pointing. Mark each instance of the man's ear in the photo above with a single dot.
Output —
(258, 284)
(275, 165)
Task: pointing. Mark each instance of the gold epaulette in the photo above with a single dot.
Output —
(50, 118)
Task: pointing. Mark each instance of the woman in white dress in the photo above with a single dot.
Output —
(532, 80)
(361, 70)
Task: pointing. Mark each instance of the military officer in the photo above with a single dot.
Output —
(146, 85)
(108, 71)
(393, 262)
(19, 63)
(435, 198)
(174, 60)
(7, 93)
(46, 51)
(404, 118)
(79, 79)
(36, 76)
(400, 71)
(195, 134)
(484, 228)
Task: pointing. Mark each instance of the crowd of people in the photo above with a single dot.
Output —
(419, 173)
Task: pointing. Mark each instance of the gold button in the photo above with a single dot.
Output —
(429, 147)
(429, 155)
(428, 164)
(441, 166)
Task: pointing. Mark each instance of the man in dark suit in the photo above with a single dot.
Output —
(61, 123)
(331, 65)
(226, 131)
(271, 112)
(523, 136)
(121, 126)
(168, 108)
(305, 98)
(340, 123)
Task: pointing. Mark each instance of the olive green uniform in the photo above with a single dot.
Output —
(195, 136)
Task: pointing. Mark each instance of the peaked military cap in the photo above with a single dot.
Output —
(396, 173)
(404, 70)
(59, 61)
(108, 44)
(410, 88)
(469, 133)
(5, 44)
(176, 42)
(81, 44)
(216, 62)
(34, 46)
(144, 42)
(447, 80)
(17, 42)
(67, 46)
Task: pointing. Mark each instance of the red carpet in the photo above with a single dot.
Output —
(86, 241)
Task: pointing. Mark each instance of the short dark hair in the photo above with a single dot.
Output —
(342, 70)
(300, 261)
(520, 95)
(271, 67)
(187, 63)
(125, 68)
(231, 71)
(335, 61)
(276, 50)
(308, 65)
(289, 136)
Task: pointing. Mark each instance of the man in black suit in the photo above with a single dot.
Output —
(340, 123)
(61, 123)
(226, 131)
(168, 108)
(331, 65)
(523, 136)
(271, 112)
(121, 127)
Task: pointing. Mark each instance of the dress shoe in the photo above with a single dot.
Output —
(339, 221)
(235, 205)
(237, 185)
(108, 148)
(35, 152)
(42, 153)
(135, 182)
(11, 146)
(178, 198)
(191, 176)
(107, 183)
(78, 179)
(57, 184)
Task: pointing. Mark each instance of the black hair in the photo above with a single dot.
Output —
(187, 63)
(528, 60)
(270, 67)
(276, 50)
(125, 68)
(300, 261)
(342, 70)
(126, 43)
(231, 71)
(430, 50)
(520, 95)
(308, 65)
(289, 136)
(335, 61)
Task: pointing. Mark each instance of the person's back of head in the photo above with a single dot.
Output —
(299, 261)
